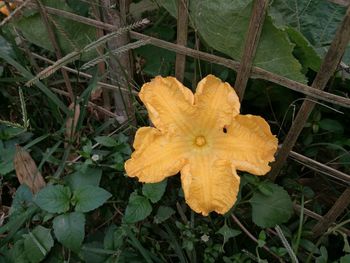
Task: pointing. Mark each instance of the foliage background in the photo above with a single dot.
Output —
(91, 212)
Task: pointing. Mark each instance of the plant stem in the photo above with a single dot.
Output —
(300, 228)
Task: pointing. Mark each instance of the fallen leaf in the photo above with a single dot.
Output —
(72, 121)
(26, 170)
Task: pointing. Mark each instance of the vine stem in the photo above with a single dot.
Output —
(250, 235)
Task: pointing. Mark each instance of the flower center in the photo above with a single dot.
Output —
(200, 141)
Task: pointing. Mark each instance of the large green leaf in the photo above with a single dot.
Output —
(17, 253)
(87, 198)
(316, 20)
(138, 208)
(158, 61)
(71, 35)
(69, 229)
(304, 51)
(274, 208)
(54, 198)
(84, 176)
(223, 25)
(37, 244)
(155, 191)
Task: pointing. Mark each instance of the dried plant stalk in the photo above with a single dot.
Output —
(72, 121)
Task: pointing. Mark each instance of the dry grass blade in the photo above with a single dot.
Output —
(53, 68)
(117, 51)
(104, 39)
(26, 170)
(76, 54)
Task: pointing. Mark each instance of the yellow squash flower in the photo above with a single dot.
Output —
(3, 8)
(203, 136)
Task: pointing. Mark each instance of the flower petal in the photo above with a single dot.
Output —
(156, 156)
(169, 104)
(248, 143)
(217, 103)
(209, 184)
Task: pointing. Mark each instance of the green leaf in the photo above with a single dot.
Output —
(331, 125)
(80, 7)
(84, 176)
(155, 191)
(54, 198)
(37, 244)
(265, 188)
(163, 213)
(18, 253)
(323, 258)
(23, 197)
(71, 35)
(158, 61)
(106, 141)
(6, 160)
(6, 47)
(307, 17)
(93, 252)
(304, 51)
(88, 198)
(228, 232)
(309, 246)
(138, 209)
(114, 238)
(69, 230)
(224, 24)
(269, 210)
(345, 259)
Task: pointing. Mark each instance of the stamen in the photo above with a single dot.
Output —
(200, 141)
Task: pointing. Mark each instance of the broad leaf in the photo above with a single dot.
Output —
(155, 191)
(69, 229)
(6, 160)
(84, 176)
(316, 20)
(17, 254)
(163, 213)
(272, 209)
(223, 25)
(331, 125)
(158, 61)
(37, 244)
(106, 141)
(91, 252)
(228, 232)
(5, 47)
(304, 51)
(138, 209)
(114, 238)
(88, 198)
(345, 259)
(71, 35)
(54, 198)
(23, 197)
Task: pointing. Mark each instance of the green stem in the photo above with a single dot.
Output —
(300, 228)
